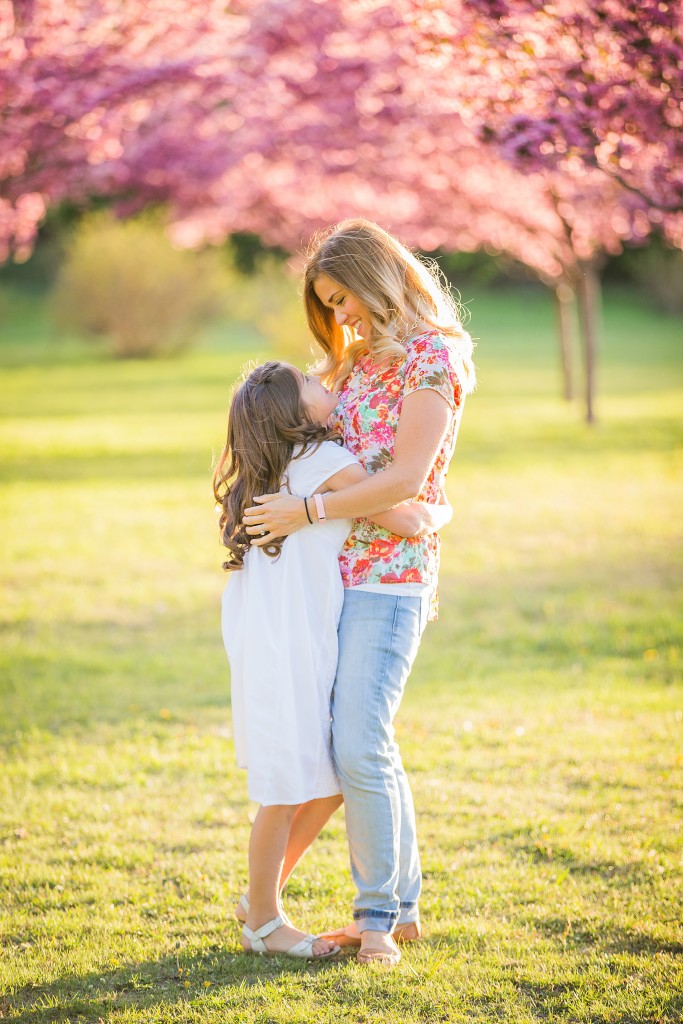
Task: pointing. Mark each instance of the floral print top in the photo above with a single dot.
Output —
(367, 416)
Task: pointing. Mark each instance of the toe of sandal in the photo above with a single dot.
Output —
(380, 957)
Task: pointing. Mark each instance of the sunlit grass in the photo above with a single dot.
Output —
(541, 726)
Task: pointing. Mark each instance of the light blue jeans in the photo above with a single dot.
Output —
(379, 635)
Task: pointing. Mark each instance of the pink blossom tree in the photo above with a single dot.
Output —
(592, 88)
(599, 81)
(78, 81)
(482, 124)
(378, 111)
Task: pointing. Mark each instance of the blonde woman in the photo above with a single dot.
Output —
(400, 362)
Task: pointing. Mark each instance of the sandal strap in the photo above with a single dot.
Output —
(257, 936)
(304, 948)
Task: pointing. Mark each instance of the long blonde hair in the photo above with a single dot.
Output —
(398, 289)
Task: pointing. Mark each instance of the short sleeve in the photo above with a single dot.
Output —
(433, 364)
(309, 471)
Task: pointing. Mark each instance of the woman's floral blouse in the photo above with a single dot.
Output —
(367, 416)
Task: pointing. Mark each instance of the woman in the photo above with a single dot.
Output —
(395, 352)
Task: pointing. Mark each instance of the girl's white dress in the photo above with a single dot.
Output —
(279, 621)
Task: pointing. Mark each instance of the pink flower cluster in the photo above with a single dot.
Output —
(548, 131)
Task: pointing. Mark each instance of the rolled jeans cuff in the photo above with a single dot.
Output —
(409, 913)
(375, 920)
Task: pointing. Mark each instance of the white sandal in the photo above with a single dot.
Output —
(303, 949)
(243, 906)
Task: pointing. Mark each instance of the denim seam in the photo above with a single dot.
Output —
(378, 691)
(359, 914)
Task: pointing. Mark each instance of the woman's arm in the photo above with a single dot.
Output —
(424, 421)
(410, 519)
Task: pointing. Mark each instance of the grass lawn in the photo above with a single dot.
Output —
(541, 728)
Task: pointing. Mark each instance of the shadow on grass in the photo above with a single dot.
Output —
(620, 940)
(552, 1001)
(536, 847)
(171, 981)
(609, 940)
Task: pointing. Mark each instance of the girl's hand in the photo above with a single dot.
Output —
(433, 517)
(416, 518)
(274, 515)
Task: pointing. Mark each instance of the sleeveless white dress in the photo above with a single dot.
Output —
(279, 620)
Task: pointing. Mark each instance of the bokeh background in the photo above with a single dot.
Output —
(164, 165)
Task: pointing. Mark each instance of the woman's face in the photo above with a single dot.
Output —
(319, 402)
(348, 309)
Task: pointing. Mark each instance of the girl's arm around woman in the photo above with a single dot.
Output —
(424, 422)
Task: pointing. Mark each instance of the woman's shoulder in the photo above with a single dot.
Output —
(433, 362)
(430, 345)
(428, 340)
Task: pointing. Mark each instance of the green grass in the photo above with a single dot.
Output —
(541, 727)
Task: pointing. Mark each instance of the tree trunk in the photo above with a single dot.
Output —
(565, 304)
(589, 313)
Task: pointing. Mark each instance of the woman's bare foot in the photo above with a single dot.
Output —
(378, 948)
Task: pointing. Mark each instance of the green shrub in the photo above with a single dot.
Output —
(123, 283)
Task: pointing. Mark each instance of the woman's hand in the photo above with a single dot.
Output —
(274, 515)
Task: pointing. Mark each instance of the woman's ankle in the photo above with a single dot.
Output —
(377, 939)
(260, 914)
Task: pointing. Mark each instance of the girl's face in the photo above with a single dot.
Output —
(348, 309)
(319, 402)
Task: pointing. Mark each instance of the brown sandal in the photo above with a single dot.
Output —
(411, 931)
(381, 957)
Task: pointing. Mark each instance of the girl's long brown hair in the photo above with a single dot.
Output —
(266, 422)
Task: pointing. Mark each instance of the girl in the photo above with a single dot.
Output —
(392, 343)
(280, 615)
